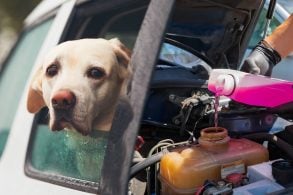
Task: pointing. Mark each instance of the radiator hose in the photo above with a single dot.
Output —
(287, 148)
(146, 163)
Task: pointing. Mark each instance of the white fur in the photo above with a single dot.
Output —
(95, 99)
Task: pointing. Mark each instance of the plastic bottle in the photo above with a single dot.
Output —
(255, 90)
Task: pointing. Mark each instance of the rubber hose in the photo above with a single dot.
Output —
(146, 163)
(273, 139)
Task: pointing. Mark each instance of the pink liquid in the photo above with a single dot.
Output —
(254, 90)
(216, 107)
(270, 96)
(261, 91)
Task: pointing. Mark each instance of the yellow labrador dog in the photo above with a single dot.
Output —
(80, 82)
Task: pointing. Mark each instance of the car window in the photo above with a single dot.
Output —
(179, 56)
(67, 153)
(67, 157)
(15, 73)
(259, 28)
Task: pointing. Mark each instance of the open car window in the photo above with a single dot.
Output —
(68, 154)
(67, 157)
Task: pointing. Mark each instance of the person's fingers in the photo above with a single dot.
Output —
(249, 66)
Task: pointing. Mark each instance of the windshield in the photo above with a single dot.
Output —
(287, 5)
(178, 56)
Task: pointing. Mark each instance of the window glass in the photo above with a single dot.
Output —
(15, 74)
(287, 5)
(179, 56)
(67, 154)
(259, 28)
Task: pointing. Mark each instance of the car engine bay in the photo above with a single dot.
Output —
(180, 151)
(192, 141)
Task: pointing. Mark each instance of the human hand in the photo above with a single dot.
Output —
(262, 60)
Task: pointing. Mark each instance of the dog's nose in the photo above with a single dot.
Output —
(63, 99)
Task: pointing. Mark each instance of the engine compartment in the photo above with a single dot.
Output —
(202, 36)
(178, 107)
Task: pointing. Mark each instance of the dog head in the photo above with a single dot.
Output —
(80, 82)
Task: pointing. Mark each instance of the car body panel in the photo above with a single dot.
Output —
(219, 30)
(41, 10)
(11, 177)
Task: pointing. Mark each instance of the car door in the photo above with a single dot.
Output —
(46, 162)
(79, 165)
(40, 34)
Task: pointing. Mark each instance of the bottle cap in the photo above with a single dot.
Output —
(225, 84)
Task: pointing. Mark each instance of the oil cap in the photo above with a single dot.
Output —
(282, 171)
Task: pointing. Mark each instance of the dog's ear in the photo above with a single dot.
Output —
(123, 56)
(35, 99)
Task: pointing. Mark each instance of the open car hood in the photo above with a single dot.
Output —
(218, 29)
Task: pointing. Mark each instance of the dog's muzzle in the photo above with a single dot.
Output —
(63, 103)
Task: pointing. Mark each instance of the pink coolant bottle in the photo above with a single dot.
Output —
(254, 90)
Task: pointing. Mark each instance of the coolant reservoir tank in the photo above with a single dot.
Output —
(186, 168)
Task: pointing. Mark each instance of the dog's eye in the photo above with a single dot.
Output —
(52, 70)
(95, 73)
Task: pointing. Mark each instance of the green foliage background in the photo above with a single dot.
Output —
(13, 12)
(12, 15)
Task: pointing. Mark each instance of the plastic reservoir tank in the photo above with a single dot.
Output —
(185, 169)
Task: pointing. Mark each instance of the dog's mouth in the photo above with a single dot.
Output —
(64, 120)
(60, 124)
